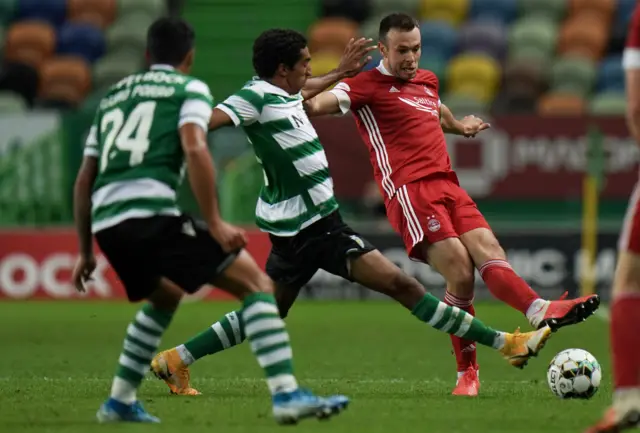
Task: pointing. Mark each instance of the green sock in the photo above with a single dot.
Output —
(140, 344)
(269, 341)
(226, 333)
(453, 320)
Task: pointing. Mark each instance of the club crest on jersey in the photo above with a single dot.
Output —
(433, 224)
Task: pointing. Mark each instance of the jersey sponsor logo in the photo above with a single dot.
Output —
(423, 104)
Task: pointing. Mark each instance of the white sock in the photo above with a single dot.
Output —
(499, 341)
(123, 391)
(282, 383)
(535, 307)
(185, 355)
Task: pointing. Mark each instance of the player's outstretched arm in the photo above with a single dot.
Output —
(354, 58)
(468, 127)
(323, 104)
(219, 119)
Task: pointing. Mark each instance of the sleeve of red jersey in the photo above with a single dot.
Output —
(631, 57)
(352, 93)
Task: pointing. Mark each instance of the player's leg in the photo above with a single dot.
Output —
(289, 272)
(343, 252)
(420, 213)
(625, 322)
(502, 280)
(126, 248)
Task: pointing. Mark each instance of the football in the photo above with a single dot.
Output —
(574, 373)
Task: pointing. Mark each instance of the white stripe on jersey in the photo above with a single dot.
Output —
(380, 149)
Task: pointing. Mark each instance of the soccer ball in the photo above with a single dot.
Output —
(574, 373)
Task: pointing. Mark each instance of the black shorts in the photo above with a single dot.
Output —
(327, 244)
(141, 251)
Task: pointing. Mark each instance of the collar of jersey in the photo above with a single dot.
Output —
(382, 69)
(162, 67)
(267, 87)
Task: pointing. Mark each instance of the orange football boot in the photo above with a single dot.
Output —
(169, 367)
(519, 347)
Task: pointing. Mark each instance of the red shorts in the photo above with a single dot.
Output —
(630, 235)
(432, 209)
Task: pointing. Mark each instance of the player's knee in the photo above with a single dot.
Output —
(460, 277)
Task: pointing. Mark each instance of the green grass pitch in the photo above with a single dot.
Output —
(57, 361)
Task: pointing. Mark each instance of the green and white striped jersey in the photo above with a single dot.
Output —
(135, 136)
(298, 189)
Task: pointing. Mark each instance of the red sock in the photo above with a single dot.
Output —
(625, 341)
(465, 350)
(506, 285)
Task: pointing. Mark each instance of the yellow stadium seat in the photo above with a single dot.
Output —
(324, 62)
(477, 73)
(451, 11)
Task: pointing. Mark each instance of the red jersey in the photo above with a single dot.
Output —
(400, 123)
(631, 57)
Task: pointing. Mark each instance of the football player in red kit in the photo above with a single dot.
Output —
(625, 302)
(402, 121)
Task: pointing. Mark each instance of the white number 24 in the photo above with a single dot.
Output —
(131, 135)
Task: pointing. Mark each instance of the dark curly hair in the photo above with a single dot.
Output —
(169, 40)
(275, 47)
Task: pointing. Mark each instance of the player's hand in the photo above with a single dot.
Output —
(472, 125)
(82, 272)
(230, 238)
(355, 56)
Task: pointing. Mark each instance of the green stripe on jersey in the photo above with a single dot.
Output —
(298, 188)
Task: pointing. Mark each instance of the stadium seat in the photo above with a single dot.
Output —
(474, 74)
(323, 62)
(154, 8)
(608, 104)
(533, 37)
(611, 74)
(82, 40)
(11, 103)
(29, 42)
(462, 104)
(100, 13)
(553, 10)
(129, 32)
(485, 37)
(523, 79)
(452, 11)
(514, 104)
(331, 34)
(561, 104)
(64, 81)
(355, 10)
(437, 65)
(8, 11)
(115, 66)
(21, 79)
(371, 27)
(439, 39)
(584, 34)
(384, 7)
(504, 11)
(603, 8)
(51, 11)
(573, 75)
